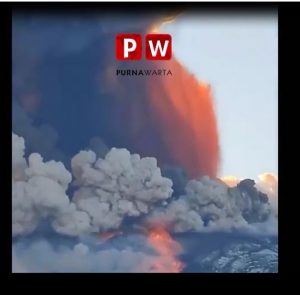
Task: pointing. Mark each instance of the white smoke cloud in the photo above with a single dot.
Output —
(124, 185)
(119, 185)
(110, 189)
(210, 205)
(39, 192)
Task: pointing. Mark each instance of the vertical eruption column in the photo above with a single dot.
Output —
(169, 117)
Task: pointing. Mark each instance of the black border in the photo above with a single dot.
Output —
(145, 7)
(288, 17)
(6, 122)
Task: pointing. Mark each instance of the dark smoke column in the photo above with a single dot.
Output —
(169, 117)
(65, 76)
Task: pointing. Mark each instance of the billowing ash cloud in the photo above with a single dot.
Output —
(39, 192)
(124, 185)
(119, 185)
(210, 205)
(110, 189)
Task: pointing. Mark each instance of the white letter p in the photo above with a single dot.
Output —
(128, 49)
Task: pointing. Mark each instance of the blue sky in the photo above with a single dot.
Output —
(237, 55)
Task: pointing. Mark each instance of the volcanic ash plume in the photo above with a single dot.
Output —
(173, 120)
(110, 189)
(110, 209)
(170, 118)
(119, 185)
(210, 205)
(39, 193)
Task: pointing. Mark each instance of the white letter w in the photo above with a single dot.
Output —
(158, 46)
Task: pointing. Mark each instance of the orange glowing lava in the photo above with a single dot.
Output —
(167, 249)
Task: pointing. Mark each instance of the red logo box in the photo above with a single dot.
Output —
(158, 46)
(128, 46)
